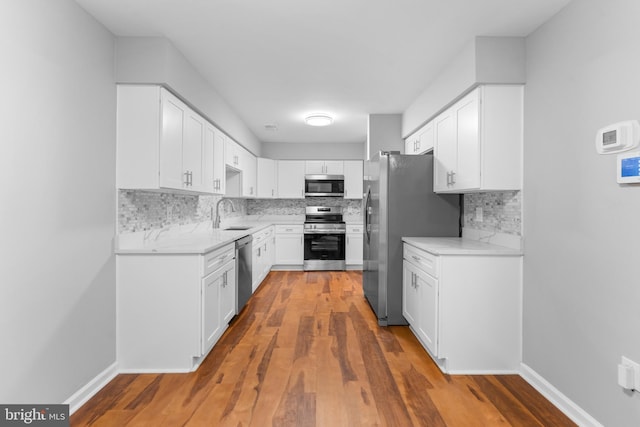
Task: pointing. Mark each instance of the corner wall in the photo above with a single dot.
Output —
(57, 165)
(581, 287)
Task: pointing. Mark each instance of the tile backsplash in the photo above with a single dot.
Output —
(351, 208)
(146, 210)
(501, 212)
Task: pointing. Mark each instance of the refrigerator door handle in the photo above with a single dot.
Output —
(367, 213)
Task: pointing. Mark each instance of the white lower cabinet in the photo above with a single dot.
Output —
(465, 309)
(354, 245)
(218, 303)
(172, 308)
(263, 255)
(289, 245)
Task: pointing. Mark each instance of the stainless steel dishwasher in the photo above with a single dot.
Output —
(244, 269)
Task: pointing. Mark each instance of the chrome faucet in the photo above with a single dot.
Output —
(216, 221)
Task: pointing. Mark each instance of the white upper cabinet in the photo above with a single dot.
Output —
(421, 141)
(161, 143)
(219, 167)
(290, 183)
(266, 181)
(232, 154)
(353, 175)
(324, 167)
(249, 166)
(478, 142)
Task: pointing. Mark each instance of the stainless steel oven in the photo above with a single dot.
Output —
(324, 185)
(324, 239)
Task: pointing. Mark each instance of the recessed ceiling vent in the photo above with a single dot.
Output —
(271, 127)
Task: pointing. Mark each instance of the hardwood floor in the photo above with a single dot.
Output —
(307, 351)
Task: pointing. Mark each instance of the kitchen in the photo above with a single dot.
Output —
(574, 331)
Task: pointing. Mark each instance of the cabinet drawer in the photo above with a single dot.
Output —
(289, 229)
(262, 235)
(424, 260)
(217, 258)
(355, 228)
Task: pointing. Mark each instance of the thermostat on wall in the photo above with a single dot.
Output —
(618, 137)
(628, 168)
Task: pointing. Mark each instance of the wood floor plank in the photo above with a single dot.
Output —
(307, 351)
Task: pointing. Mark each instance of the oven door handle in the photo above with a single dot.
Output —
(325, 232)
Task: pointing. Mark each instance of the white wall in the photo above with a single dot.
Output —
(325, 151)
(582, 289)
(384, 132)
(156, 60)
(57, 200)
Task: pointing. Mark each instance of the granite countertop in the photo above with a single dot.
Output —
(459, 246)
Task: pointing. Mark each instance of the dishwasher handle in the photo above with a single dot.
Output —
(244, 241)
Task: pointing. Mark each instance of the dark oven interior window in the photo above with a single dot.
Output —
(324, 246)
(319, 187)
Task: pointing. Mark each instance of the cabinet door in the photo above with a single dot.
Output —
(256, 266)
(410, 145)
(172, 134)
(248, 166)
(218, 160)
(289, 249)
(425, 139)
(354, 248)
(466, 116)
(353, 178)
(197, 154)
(334, 167)
(314, 167)
(266, 181)
(445, 151)
(291, 179)
(427, 297)
(228, 294)
(410, 308)
(211, 327)
(231, 155)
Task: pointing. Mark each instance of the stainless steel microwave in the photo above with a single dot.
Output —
(324, 185)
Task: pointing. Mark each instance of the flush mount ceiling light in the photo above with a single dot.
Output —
(318, 120)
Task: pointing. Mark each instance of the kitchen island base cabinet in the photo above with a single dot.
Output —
(172, 308)
(465, 309)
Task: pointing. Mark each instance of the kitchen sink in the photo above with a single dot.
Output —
(238, 227)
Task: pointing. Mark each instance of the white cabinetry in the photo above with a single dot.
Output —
(218, 303)
(219, 168)
(172, 308)
(353, 176)
(465, 309)
(324, 167)
(232, 154)
(290, 179)
(263, 255)
(266, 181)
(421, 141)
(249, 166)
(161, 143)
(289, 245)
(478, 142)
(354, 245)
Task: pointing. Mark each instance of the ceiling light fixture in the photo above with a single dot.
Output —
(318, 120)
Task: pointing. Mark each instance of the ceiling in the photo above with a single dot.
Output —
(274, 61)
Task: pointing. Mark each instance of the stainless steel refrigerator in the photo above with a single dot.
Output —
(399, 202)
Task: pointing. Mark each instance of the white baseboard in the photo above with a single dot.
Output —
(562, 402)
(81, 396)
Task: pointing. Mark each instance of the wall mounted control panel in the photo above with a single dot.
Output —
(618, 137)
(628, 168)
